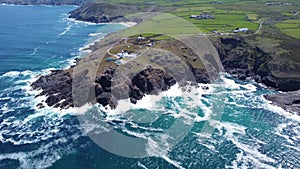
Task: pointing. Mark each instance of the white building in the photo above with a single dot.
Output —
(126, 55)
(241, 30)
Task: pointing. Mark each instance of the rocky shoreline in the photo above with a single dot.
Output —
(239, 58)
(289, 101)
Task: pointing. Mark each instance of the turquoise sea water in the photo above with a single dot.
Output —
(35, 39)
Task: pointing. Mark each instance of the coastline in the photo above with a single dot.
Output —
(45, 5)
(40, 100)
(86, 48)
(251, 131)
(127, 24)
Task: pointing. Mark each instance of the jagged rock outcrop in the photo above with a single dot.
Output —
(149, 81)
(57, 86)
(290, 101)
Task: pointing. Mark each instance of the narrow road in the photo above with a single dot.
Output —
(259, 28)
(296, 13)
(108, 51)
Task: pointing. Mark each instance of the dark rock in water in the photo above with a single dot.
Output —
(40, 105)
(57, 86)
(205, 87)
(290, 101)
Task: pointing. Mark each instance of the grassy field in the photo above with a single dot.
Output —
(226, 20)
(290, 27)
(252, 16)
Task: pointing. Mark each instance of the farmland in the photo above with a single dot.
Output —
(290, 27)
(279, 32)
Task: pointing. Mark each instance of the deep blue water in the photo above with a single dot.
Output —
(35, 39)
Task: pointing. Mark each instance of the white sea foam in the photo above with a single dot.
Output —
(149, 102)
(268, 105)
(160, 149)
(4, 109)
(292, 136)
(127, 24)
(82, 22)
(191, 102)
(32, 159)
(67, 29)
(34, 51)
(12, 74)
(248, 153)
(141, 165)
(96, 34)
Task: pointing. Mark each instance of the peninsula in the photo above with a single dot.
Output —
(267, 52)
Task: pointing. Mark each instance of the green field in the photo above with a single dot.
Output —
(226, 20)
(290, 27)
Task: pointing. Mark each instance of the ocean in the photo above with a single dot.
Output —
(248, 133)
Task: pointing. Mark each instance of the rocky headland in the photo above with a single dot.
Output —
(239, 58)
(111, 12)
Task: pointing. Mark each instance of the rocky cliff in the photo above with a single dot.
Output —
(57, 86)
(110, 12)
(289, 101)
(244, 60)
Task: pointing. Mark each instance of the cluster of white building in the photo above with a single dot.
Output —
(123, 54)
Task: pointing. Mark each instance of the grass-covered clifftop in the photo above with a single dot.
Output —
(272, 28)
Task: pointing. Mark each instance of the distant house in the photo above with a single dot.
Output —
(140, 38)
(237, 30)
(279, 4)
(203, 16)
(150, 44)
(217, 2)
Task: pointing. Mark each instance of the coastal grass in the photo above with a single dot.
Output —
(167, 25)
(289, 14)
(290, 27)
(252, 16)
